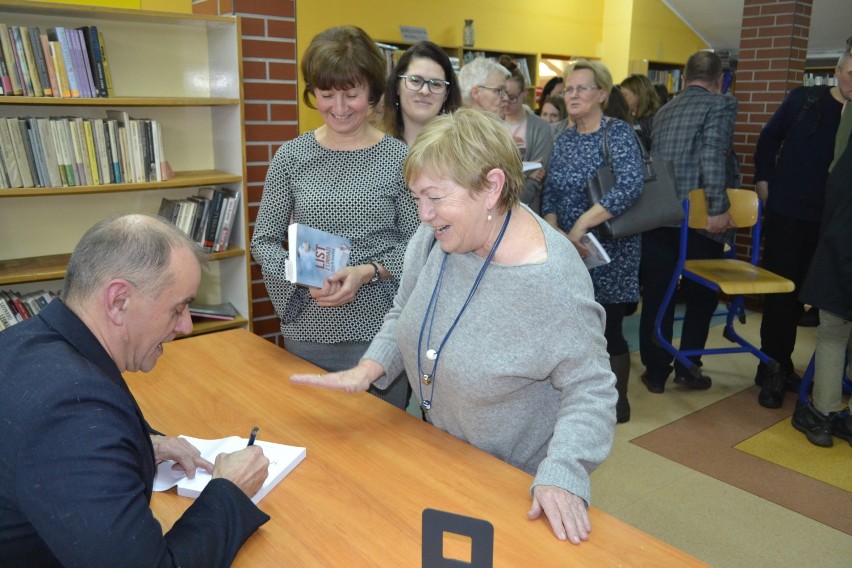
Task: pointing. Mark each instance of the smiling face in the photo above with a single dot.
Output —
(345, 111)
(458, 216)
(150, 322)
(419, 106)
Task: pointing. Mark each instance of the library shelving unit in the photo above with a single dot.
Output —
(659, 72)
(820, 71)
(184, 71)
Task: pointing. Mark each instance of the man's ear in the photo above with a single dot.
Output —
(117, 297)
(496, 179)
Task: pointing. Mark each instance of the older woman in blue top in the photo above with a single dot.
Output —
(577, 153)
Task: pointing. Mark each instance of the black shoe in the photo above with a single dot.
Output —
(653, 387)
(701, 382)
(772, 391)
(792, 380)
(841, 425)
(813, 424)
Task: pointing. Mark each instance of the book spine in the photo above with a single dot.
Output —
(64, 154)
(41, 64)
(92, 42)
(7, 316)
(20, 152)
(48, 62)
(49, 143)
(114, 151)
(7, 152)
(61, 71)
(29, 126)
(5, 79)
(65, 44)
(9, 56)
(31, 62)
(77, 153)
(228, 223)
(213, 221)
(21, 61)
(105, 60)
(91, 155)
(104, 163)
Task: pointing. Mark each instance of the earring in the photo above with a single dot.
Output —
(489, 216)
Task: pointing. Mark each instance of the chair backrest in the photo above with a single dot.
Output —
(744, 208)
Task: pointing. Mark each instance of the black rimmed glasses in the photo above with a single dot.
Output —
(500, 91)
(415, 83)
(581, 89)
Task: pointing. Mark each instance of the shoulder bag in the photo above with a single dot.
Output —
(658, 206)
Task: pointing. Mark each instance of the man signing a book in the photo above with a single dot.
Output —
(77, 458)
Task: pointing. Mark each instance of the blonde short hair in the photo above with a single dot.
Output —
(464, 146)
(602, 76)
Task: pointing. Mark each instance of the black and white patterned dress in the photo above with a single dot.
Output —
(359, 194)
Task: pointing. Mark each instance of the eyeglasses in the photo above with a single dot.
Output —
(568, 91)
(514, 98)
(416, 82)
(500, 91)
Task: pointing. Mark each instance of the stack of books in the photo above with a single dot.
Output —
(208, 218)
(74, 151)
(16, 307)
(57, 62)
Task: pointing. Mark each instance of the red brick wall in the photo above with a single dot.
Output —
(269, 74)
(773, 46)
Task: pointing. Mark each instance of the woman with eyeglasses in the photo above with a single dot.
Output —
(483, 85)
(421, 86)
(345, 178)
(577, 154)
(530, 133)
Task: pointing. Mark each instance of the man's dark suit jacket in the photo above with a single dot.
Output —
(77, 464)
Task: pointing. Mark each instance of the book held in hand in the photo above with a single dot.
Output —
(314, 255)
(597, 254)
(282, 460)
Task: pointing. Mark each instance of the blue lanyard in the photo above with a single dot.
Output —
(429, 378)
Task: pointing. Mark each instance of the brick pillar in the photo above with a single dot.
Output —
(271, 111)
(773, 46)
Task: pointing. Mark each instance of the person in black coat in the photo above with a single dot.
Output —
(828, 286)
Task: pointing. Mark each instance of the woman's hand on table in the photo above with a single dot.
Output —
(356, 379)
(566, 512)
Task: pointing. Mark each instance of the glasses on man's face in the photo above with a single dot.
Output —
(416, 82)
(581, 89)
(499, 91)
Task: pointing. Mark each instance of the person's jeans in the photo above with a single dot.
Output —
(834, 342)
(659, 261)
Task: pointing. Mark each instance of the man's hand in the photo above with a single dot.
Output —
(247, 468)
(566, 512)
(719, 223)
(186, 456)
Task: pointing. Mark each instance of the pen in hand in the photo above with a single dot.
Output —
(252, 436)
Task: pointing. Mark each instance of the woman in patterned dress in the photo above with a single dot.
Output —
(345, 178)
(577, 154)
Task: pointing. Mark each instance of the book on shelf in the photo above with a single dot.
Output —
(21, 64)
(597, 254)
(224, 311)
(59, 67)
(96, 61)
(40, 62)
(59, 36)
(282, 460)
(47, 57)
(226, 220)
(9, 58)
(16, 307)
(19, 149)
(9, 156)
(314, 255)
(5, 79)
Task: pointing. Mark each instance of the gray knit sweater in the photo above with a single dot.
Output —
(525, 374)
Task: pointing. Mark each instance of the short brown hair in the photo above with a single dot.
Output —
(343, 58)
(703, 66)
(464, 146)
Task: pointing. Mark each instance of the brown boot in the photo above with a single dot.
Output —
(620, 365)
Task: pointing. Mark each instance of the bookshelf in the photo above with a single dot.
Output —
(182, 70)
(663, 73)
(820, 71)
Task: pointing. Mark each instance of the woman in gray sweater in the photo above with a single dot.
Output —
(495, 322)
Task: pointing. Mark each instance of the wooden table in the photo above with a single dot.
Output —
(370, 471)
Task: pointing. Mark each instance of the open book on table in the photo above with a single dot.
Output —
(282, 460)
(314, 255)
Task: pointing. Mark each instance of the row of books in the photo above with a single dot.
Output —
(16, 307)
(58, 62)
(208, 218)
(74, 151)
(668, 77)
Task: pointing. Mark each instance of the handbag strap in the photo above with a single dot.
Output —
(649, 174)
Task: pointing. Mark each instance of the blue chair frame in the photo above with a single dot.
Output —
(735, 307)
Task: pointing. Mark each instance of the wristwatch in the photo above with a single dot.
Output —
(377, 275)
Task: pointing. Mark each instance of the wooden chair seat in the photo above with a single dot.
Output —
(737, 277)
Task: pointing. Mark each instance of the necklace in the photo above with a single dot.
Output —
(428, 379)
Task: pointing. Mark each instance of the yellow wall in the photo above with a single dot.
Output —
(180, 6)
(660, 35)
(618, 32)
